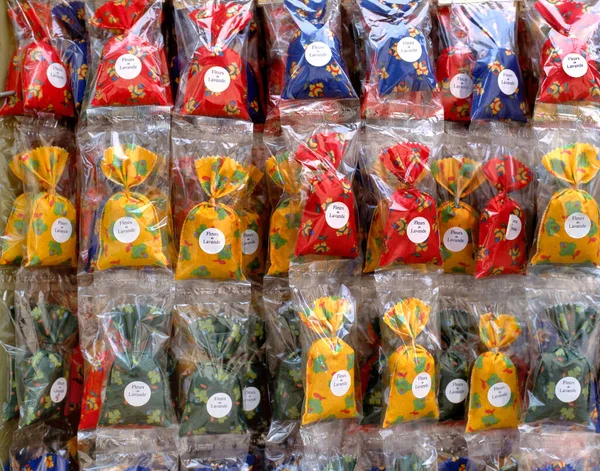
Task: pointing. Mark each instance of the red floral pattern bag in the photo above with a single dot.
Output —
(133, 68)
(502, 235)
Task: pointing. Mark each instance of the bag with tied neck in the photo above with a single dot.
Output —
(129, 63)
(210, 244)
(502, 245)
(404, 225)
(329, 362)
(567, 232)
(459, 176)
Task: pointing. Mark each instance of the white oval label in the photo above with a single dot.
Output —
(57, 75)
(337, 215)
(340, 383)
(249, 242)
(409, 49)
(251, 398)
(578, 225)
(217, 79)
(421, 385)
(212, 241)
(508, 82)
(456, 239)
(568, 389)
(457, 390)
(318, 54)
(62, 229)
(499, 394)
(575, 65)
(128, 66)
(126, 230)
(461, 86)
(219, 405)
(514, 227)
(137, 393)
(418, 230)
(58, 391)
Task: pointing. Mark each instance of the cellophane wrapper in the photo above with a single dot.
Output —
(46, 321)
(496, 450)
(125, 192)
(409, 320)
(400, 81)
(410, 448)
(562, 385)
(567, 192)
(452, 450)
(334, 447)
(124, 332)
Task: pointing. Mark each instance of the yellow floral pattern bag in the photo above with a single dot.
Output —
(458, 221)
(494, 396)
(412, 390)
(329, 381)
(210, 245)
(51, 229)
(568, 231)
(285, 220)
(12, 242)
(129, 232)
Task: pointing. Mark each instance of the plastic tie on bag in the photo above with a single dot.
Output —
(569, 64)
(286, 217)
(407, 231)
(498, 84)
(215, 390)
(132, 71)
(211, 245)
(52, 229)
(129, 228)
(315, 66)
(568, 231)
(72, 15)
(328, 225)
(45, 374)
(329, 382)
(458, 221)
(37, 74)
(218, 78)
(494, 395)
(11, 242)
(412, 368)
(136, 386)
(562, 383)
(502, 234)
(454, 364)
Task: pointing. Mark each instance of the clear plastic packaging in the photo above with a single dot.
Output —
(496, 450)
(335, 447)
(211, 171)
(400, 80)
(564, 327)
(410, 449)
(128, 62)
(125, 188)
(411, 341)
(452, 452)
(558, 451)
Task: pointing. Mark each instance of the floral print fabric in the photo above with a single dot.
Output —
(411, 367)
(329, 370)
(458, 221)
(502, 225)
(210, 244)
(568, 230)
(494, 395)
(12, 242)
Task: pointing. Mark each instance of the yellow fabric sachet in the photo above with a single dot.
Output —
(11, 245)
(458, 221)
(210, 245)
(494, 395)
(129, 232)
(329, 391)
(51, 230)
(412, 388)
(285, 219)
(568, 231)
